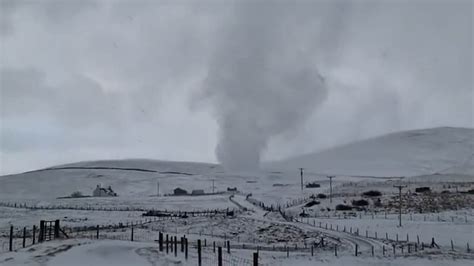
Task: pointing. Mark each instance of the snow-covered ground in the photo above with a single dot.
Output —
(443, 232)
(406, 153)
(437, 158)
(86, 252)
(118, 253)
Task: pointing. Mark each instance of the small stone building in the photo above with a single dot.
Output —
(197, 192)
(103, 192)
(179, 191)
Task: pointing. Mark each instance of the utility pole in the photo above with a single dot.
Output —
(301, 173)
(330, 188)
(400, 203)
(158, 188)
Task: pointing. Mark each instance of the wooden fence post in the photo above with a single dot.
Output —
(24, 237)
(97, 233)
(335, 250)
(131, 238)
(41, 233)
(10, 247)
(34, 232)
(255, 259)
(219, 256)
(199, 253)
(172, 244)
(56, 229)
(228, 246)
(175, 246)
(167, 244)
(160, 240)
(452, 245)
(356, 249)
(186, 248)
(214, 246)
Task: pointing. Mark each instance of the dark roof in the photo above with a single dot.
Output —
(179, 190)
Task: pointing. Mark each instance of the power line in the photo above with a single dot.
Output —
(301, 173)
(213, 187)
(400, 203)
(330, 188)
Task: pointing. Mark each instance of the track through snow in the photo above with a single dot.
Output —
(364, 245)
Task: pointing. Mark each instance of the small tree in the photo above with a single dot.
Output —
(77, 194)
(372, 193)
(360, 203)
(342, 207)
(422, 189)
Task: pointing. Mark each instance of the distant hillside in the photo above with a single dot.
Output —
(143, 165)
(406, 153)
(134, 177)
(447, 151)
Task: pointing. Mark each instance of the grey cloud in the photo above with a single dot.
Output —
(125, 71)
(55, 13)
(77, 102)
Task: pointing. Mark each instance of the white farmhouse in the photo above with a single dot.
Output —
(103, 192)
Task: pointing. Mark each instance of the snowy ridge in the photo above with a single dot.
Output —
(445, 152)
(406, 153)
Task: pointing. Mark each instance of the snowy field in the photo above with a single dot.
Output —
(118, 253)
(270, 212)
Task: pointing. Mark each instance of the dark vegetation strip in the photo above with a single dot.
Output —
(108, 168)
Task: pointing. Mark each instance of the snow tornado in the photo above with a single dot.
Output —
(263, 79)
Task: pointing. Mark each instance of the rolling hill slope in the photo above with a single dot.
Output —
(407, 153)
(447, 151)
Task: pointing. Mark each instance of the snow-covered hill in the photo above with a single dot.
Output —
(144, 165)
(134, 177)
(446, 151)
(407, 153)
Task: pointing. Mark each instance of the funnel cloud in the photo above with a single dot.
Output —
(263, 80)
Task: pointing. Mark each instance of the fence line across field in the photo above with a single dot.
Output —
(125, 209)
(134, 231)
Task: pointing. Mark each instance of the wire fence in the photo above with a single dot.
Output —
(18, 238)
(151, 211)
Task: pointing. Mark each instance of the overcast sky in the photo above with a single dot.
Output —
(107, 79)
